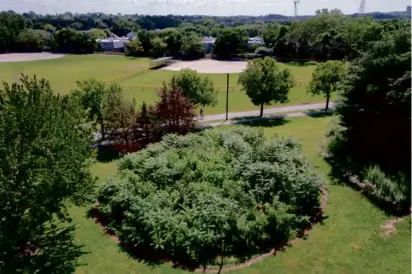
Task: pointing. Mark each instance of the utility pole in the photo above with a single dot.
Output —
(227, 97)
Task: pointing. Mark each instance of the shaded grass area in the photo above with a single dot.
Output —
(348, 241)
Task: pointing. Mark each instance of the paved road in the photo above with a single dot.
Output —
(296, 108)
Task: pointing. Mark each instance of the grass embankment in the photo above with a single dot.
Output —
(64, 72)
(348, 240)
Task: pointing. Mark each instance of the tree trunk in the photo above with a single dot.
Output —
(327, 101)
(102, 129)
(261, 110)
(221, 265)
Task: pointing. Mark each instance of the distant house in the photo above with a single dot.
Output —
(255, 41)
(113, 44)
(131, 35)
(209, 43)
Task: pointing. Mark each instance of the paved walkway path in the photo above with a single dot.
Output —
(250, 116)
(296, 108)
(252, 119)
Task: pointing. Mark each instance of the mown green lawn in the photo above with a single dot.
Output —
(143, 88)
(64, 72)
(347, 241)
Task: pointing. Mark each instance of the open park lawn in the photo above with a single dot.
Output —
(347, 241)
(64, 72)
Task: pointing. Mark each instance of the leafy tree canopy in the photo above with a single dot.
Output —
(135, 48)
(44, 166)
(192, 47)
(230, 42)
(198, 89)
(373, 138)
(266, 83)
(326, 78)
(375, 105)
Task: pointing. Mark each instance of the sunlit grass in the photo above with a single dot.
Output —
(348, 240)
(64, 72)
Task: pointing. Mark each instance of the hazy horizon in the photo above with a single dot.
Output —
(198, 7)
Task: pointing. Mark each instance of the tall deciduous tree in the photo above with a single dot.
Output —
(198, 89)
(44, 155)
(159, 47)
(375, 107)
(97, 33)
(230, 42)
(173, 40)
(30, 40)
(147, 128)
(326, 78)
(120, 116)
(93, 97)
(71, 41)
(192, 47)
(135, 48)
(10, 26)
(266, 83)
(175, 110)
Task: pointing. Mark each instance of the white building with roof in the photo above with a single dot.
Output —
(113, 44)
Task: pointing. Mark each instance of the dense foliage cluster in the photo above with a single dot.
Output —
(375, 117)
(118, 121)
(44, 165)
(227, 193)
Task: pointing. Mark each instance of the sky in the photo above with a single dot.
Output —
(203, 7)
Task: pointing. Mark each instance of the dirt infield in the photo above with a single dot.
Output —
(209, 66)
(23, 57)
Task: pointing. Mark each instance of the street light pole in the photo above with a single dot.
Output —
(227, 97)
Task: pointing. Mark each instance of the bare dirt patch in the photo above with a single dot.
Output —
(209, 66)
(24, 57)
(389, 228)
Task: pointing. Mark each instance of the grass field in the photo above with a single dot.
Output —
(64, 72)
(348, 240)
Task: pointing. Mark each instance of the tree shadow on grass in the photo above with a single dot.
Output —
(53, 252)
(301, 64)
(263, 122)
(319, 113)
(106, 154)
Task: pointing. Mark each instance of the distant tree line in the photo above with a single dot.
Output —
(328, 35)
(151, 22)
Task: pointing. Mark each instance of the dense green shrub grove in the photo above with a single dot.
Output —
(199, 196)
(373, 136)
